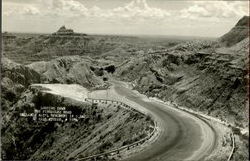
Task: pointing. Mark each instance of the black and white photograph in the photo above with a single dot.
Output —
(124, 80)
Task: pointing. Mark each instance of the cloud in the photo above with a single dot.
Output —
(215, 9)
(136, 9)
(133, 10)
(66, 8)
(30, 10)
(20, 9)
(140, 9)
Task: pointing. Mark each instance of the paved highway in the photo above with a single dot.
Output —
(182, 136)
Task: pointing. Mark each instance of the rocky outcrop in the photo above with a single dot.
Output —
(63, 31)
(237, 33)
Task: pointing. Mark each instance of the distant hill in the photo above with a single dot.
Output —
(25, 48)
(238, 33)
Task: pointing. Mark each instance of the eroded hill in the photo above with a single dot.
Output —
(68, 70)
(238, 33)
(206, 80)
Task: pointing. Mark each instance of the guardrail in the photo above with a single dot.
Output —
(114, 102)
(125, 147)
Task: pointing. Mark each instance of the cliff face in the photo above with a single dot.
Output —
(237, 33)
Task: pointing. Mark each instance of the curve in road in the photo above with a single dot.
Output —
(182, 136)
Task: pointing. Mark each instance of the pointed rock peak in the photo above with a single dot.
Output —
(63, 28)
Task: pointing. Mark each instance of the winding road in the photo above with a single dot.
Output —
(182, 136)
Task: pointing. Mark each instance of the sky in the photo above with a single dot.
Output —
(129, 17)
